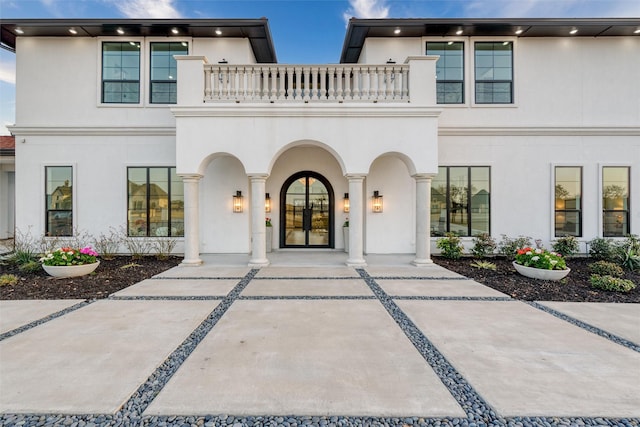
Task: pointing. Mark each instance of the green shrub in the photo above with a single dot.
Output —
(163, 247)
(610, 283)
(30, 267)
(627, 258)
(21, 257)
(566, 245)
(601, 249)
(484, 265)
(450, 246)
(508, 246)
(606, 268)
(483, 245)
(8, 279)
(107, 245)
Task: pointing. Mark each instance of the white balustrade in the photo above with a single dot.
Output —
(309, 83)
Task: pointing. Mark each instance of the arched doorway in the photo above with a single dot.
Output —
(306, 212)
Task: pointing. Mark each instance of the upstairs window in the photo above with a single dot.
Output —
(568, 201)
(494, 72)
(449, 71)
(164, 71)
(615, 201)
(59, 200)
(121, 72)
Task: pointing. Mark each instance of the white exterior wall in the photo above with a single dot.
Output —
(7, 196)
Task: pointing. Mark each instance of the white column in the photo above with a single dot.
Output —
(258, 224)
(423, 220)
(356, 221)
(191, 220)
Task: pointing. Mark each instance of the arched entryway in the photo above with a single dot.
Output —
(306, 212)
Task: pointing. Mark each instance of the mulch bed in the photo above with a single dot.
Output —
(113, 275)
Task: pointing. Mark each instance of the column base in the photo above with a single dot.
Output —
(191, 262)
(356, 263)
(257, 263)
(422, 262)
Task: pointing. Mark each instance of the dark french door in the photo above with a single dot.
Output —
(306, 212)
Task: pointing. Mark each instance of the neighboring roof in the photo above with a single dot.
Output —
(359, 29)
(256, 30)
(7, 145)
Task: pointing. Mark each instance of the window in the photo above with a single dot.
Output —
(568, 201)
(615, 201)
(449, 71)
(164, 71)
(121, 73)
(460, 200)
(494, 72)
(155, 202)
(59, 200)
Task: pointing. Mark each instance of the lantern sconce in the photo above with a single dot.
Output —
(376, 202)
(237, 202)
(345, 201)
(267, 203)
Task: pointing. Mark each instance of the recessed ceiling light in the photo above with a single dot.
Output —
(218, 32)
(519, 31)
(458, 32)
(73, 31)
(19, 31)
(396, 31)
(635, 32)
(175, 31)
(573, 31)
(120, 31)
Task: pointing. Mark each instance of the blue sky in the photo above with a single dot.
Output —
(304, 31)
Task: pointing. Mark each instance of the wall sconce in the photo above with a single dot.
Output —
(267, 203)
(376, 205)
(237, 202)
(345, 203)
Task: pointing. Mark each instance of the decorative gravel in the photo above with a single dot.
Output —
(167, 298)
(428, 298)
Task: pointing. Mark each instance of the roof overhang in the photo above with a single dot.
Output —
(360, 29)
(256, 30)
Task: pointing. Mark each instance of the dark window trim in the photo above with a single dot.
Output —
(46, 204)
(464, 66)
(104, 81)
(578, 211)
(152, 81)
(476, 81)
(627, 211)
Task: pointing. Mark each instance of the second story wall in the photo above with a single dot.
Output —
(59, 80)
(557, 82)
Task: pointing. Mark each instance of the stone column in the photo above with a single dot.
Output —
(356, 221)
(258, 224)
(423, 220)
(191, 220)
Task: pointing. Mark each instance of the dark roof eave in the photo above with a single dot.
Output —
(360, 29)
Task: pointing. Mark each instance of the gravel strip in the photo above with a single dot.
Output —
(307, 297)
(601, 332)
(427, 298)
(44, 319)
(167, 298)
(419, 278)
(195, 278)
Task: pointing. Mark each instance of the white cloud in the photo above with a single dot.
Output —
(551, 8)
(147, 8)
(366, 9)
(8, 71)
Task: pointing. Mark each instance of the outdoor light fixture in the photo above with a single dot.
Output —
(519, 31)
(635, 32)
(573, 31)
(459, 32)
(376, 202)
(218, 32)
(237, 202)
(345, 203)
(396, 31)
(391, 61)
(120, 31)
(73, 31)
(19, 31)
(175, 31)
(267, 203)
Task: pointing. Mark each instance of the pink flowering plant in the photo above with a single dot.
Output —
(70, 256)
(540, 258)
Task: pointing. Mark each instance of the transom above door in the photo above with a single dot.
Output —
(306, 212)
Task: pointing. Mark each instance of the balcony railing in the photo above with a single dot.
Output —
(306, 83)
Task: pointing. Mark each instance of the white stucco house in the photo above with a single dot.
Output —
(190, 129)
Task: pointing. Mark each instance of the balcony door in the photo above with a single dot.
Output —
(306, 212)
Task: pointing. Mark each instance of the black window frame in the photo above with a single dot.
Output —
(50, 214)
(564, 211)
(441, 83)
(493, 81)
(105, 81)
(625, 212)
(171, 82)
(469, 195)
(147, 201)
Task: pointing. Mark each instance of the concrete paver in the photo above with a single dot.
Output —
(14, 314)
(433, 270)
(527, 362)
(307, 287)
(619, 319)
(328, 271)
(93, 359)
(179, 287)
(306, 357)
(437, 288)
(206, 271)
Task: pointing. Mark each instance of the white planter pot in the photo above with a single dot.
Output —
(269, 238)
(70, 270)
(345, 234)
(540, 274)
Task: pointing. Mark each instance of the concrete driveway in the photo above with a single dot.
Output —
(308, 341)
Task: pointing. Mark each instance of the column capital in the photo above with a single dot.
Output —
(355, 176)
(190, 177)
(258, 176)
(423, 176)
